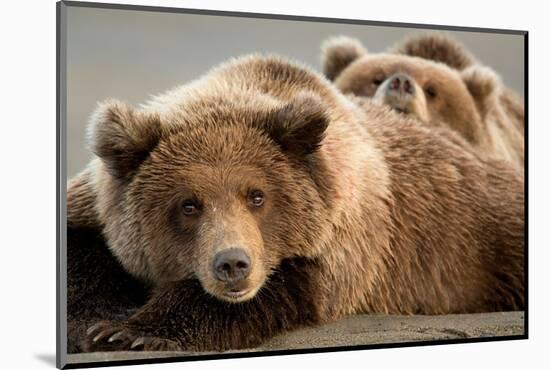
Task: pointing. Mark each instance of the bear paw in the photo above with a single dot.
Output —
(109, 336)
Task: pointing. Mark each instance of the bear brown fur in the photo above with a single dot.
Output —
(98, 287)
(435, 79)
(339, 210)
(443, 49)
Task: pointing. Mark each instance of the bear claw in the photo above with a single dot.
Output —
(116, 337)
(107, 336)
(93, 328)
(138, 342)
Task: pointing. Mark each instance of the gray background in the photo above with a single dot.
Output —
(131, 55)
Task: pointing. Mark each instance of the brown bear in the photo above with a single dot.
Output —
(435, 79)
(258, 199)
(443, 49)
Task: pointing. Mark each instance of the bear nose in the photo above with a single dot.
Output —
(231, 265)
(401, 83)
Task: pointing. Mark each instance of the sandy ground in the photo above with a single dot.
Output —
(361, 330)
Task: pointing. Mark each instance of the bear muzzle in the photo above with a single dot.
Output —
(232, 268)
(397, 91)
(231, 265)
(401, 84)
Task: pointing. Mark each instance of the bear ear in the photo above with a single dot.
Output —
(482, 82)
(121, 137)
(338, 52)
(437, 47)
(300, 125)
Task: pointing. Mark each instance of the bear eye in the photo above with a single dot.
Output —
(378, 81)
(430, 91)
(189, 208)
(256, 198)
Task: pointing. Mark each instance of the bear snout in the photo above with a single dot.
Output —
(402, 84)
(401, 93)
(231, 265)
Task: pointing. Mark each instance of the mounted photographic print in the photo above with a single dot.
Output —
(235, 184)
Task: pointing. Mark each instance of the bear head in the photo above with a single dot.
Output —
(213, 189)
(424, 82)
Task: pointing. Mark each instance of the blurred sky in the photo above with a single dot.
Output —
(131, 55)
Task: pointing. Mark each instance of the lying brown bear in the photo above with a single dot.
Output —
(258, 199)
(436, 80)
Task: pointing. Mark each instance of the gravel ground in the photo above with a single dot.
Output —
(361, 330)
